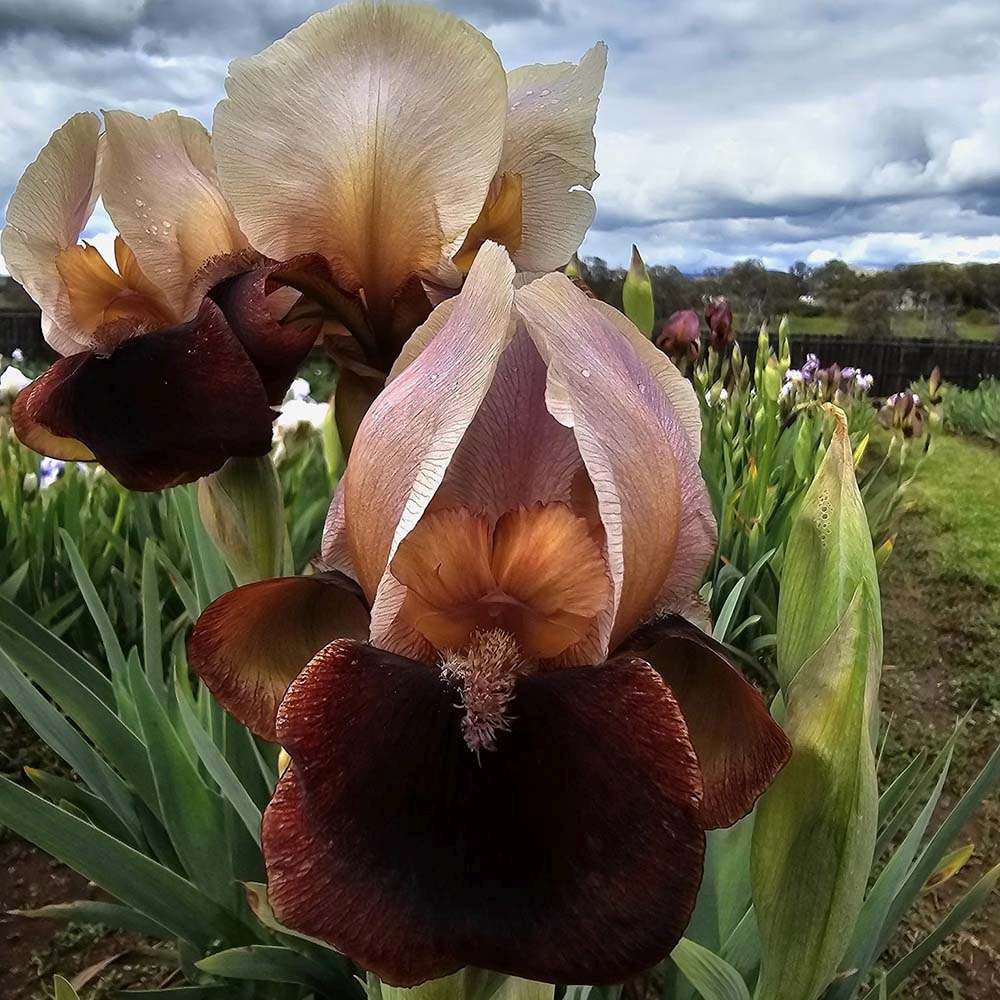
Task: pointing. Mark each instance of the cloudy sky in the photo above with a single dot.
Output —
(731, 128)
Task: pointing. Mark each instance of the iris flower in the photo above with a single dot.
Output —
(389, 139)
(172, 356)
(506, 744)
(680, 337)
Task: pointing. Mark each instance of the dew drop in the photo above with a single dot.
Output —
(515, 105)
(529, 92)
(153, 230)
(138, 177)
(166, 223)
(139, 203)
(585, 372)
(434, 376)
(545, 93)
(159, 156)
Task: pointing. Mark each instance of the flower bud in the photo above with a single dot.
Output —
(637, 294)
(680, 337)
(719, 317)
(814, 835)
(242, 510)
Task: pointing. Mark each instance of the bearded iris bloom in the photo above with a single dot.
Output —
(506, 744)
(369, 154)
(173, 355)
(390, 140)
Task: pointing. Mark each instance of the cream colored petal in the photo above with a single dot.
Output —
(549, 141)
(406, 442)
(160, 189)
(47, 212)
(369, 134)
(633, 442)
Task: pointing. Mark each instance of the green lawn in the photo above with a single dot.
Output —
(941, 594)
(903, 325)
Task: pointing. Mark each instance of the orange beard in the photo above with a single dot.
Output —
(538, 574)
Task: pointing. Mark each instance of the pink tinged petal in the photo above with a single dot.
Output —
(159, 186)
(740, 747)
(549, 143)
(389, 839)
(633, 441)
(407, 440)
(47, 212)
(249, 644)
(369, 134)
(698, 532)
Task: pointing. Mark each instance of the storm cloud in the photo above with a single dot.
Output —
(728, 129)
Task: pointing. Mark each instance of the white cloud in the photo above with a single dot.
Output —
(773, 128)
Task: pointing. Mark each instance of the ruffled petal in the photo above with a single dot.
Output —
(251, 643)
(740, 747)
(549, 143)
(392, 841)
(634, 443)
(160, 189)
(162, 409)
(47, 212)
(406, 442)
(275, 347)
(370, 134)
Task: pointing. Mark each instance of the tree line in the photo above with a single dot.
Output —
(938, 293)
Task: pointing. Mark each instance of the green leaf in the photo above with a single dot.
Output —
(713, 977)
(191, 812)
(63, 989)
(53, 728)
(152, 615)
(92, 911)
(962, 910)
(129, 876)
(109, 638)
(637, 294)
(815, 830)
(68, 658)
(267, 963)
(179, 993)
(215, 763)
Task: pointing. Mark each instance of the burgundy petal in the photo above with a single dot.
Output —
(570, 853)
(740, 747)
(248, 645)
(161, 409)
(275, 347)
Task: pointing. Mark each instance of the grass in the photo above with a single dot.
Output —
(903, 325)
(974, 411)
(942, 622)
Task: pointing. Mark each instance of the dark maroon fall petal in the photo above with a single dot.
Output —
(160, 409)
(570, 853)
(249, 644)
(740, 747)
(276, 348)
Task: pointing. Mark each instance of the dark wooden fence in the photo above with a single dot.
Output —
(897, 363)
(894, 363)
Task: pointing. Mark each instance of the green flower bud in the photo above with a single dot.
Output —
(242, 509)
(637, 294)
(814, 835)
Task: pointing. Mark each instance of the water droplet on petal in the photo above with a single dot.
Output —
(159, 156)
(545, 93)
(139, 203)
(529, 92)
(138, 177)
(585, 372)
(166, 223)
(434, 376)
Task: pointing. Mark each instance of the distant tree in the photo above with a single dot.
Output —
(870, 317)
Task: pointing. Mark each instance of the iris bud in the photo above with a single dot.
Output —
(242, 509)
(637, 294)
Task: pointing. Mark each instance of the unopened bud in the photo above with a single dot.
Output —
(242, 510)
(637, 294)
